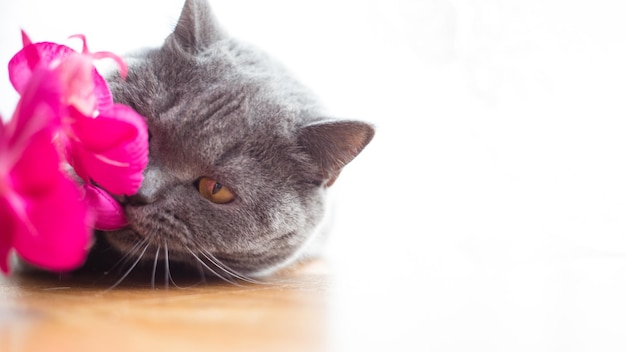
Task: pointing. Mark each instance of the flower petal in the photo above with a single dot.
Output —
(32, 56)
(101, 133)
(104, 99)
(22, 65)
(102, 92)
(26, 39)
(37, 170)
(76, 74)
(109, 213)
(121, 64)
(46, 54)
(61, 237)
(118, 170)
(7, 219)
(39, 107)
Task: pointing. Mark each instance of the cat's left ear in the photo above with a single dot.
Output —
(197, 28)
(333, 144)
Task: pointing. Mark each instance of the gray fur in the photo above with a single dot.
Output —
(219, 108)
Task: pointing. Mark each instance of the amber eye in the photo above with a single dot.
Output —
(215, 191)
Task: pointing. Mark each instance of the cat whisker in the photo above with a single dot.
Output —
(154, 266)
(126, 258)
(201, 271)
(131, 268)
(240, 276)
(211, 269)
(167, 266)
(226, 269)
(168, 272)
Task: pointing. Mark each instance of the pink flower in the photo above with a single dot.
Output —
(105, 143)
(79, 76)
(32, 187)
(65, 113)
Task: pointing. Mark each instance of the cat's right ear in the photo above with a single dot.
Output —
(196, 29)
(333, 144)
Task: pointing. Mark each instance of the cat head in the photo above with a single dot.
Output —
(241, 154)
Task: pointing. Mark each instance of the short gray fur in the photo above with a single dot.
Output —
(218, 108)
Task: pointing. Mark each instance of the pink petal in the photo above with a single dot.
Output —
(7, 219)
(113, 175)
(62, 234)
(109, 213)
(118, 170)
(22, 65)
(118, 60)
(32, 56)
(46, 54)
(102, 133)
(82, 38)
(39, 107)
(85, 88)
(37, 170)
(76, 75)
(4, 144)
(74, 156)
(104, 99)
(25, 39)
(49, 217)
(103, 55)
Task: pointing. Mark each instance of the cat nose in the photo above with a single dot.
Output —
(142, 197)
(149, 190)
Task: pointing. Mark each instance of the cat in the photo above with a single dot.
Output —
(241, 155)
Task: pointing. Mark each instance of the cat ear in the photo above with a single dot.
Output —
(196, 28)
(333, 144)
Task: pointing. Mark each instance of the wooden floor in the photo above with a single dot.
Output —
(80, 313)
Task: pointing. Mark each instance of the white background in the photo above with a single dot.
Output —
(489, 213)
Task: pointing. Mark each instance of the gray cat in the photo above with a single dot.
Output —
(241, 155)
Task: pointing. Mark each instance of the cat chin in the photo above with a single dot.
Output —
(311, 249)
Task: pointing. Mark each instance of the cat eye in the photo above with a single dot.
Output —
(214, 191)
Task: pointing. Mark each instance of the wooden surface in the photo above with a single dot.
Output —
(81, 313)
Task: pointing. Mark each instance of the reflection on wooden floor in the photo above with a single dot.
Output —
(42, 312)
